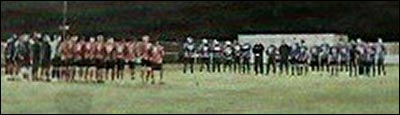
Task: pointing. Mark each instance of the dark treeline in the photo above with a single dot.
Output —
(172, 20)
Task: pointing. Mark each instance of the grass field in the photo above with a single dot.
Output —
(216, 93)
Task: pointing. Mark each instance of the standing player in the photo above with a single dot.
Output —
(344, 57)
(361, 49)
(294, 50)
(302, 58)
(380, 57)
(237, 53)
(272, 53)
(323, 57)
(23, 59)
(120, 58)
(11, 64)
(258, 51)
(189, 54)
(144, 51)
(245, 57)
(89, 57)
(284, 51)
(369, 59)
(314, 62)
(36, 44)
(55, 57)
(130, 56)
(342, 49)
(78, 58)
(216, 56)
(68, 60)
(45, 57)
(228, 53)
(334, 60)
(100, 62)
(354, 55)
(204, 51)
(156, 59)
(109, 59)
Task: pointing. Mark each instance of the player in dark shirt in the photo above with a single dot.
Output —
(258, 51)
(284, 51)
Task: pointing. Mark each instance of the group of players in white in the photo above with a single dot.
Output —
(41, 57)
(356, 57)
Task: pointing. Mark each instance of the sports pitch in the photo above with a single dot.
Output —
(216, 93)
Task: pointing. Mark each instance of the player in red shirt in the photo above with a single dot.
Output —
(66, 56)
(110, 58)
(99, 56)
(78, 51)
(156, 59)
(89, 56)
(130, 56)
(120, 57)
(143, 51)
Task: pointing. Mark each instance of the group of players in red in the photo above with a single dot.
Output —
(93, 59)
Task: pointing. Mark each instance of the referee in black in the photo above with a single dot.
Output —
(284, 50)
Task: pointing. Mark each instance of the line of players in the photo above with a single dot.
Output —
(355, 57)
(91, 59)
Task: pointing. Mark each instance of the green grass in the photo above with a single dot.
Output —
(216, 93)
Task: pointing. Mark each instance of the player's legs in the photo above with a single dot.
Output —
(191, 65)
(185, 62)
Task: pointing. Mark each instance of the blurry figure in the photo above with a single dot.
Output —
(334, 60)
(156, 59)
(284, 51)
(302, 59)
(45, 57)
(189, 50)
(204, 52)
(237, 56)
(217, 53)
(258, 51)
(228, 53)
(380, 57)
(245, 57)
(11, 57)
(314, 61)
(272, 53)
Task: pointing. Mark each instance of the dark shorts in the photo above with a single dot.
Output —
(84, 63)
(301, 62)
(56, 62)
(46, 63)
(120, 64)
(293, 61)
(69, 62)
(380, 61)
(77, 62)
(146, 63)
(314, 63)
(333, 63)
(100, 63)
(110, 64)
(131, 64)
(324, 61)
(343, 62)
(90, 62)
(156, 66)
(35, 65)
